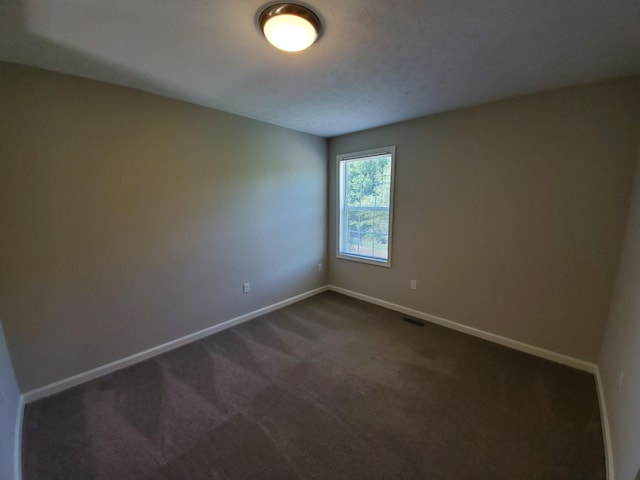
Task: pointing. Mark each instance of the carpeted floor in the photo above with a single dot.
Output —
(329, 388)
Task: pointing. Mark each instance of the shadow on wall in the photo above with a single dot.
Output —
(19, 41)
(91, 40)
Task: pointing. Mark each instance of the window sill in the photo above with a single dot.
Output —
(363, 259)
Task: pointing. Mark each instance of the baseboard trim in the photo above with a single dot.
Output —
(606, 430)
(17, 438)
(92, 374)
(492, 337)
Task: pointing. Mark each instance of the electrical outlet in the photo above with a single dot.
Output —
(620, 379)
(414, 284)
(246, 287)
(319, 267)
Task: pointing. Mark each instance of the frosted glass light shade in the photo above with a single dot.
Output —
(289, 27)
(290, 33)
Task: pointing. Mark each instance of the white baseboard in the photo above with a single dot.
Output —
(66, 383)
(492, 337)
(606, 430)
(17, 438)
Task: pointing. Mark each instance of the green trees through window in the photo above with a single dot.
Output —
(366, 205)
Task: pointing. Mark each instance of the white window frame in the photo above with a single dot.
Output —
(341, 218)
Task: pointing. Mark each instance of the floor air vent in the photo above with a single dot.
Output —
(414, 321)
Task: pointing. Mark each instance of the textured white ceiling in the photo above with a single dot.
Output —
(378, 62)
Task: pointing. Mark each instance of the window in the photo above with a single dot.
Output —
(365, 205)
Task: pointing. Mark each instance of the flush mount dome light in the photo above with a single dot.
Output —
(289, 27)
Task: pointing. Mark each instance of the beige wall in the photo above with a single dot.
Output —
(509, 215)
(129, 220)
(621, 351)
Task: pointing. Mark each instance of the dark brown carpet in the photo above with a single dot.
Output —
(329, 388)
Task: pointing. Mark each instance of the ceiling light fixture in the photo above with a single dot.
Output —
(289, 27)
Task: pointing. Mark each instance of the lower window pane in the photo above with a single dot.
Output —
(366, 221)
(353, 242)
(366, 244)
(381, 223)
(381, 246)
(354, 218)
